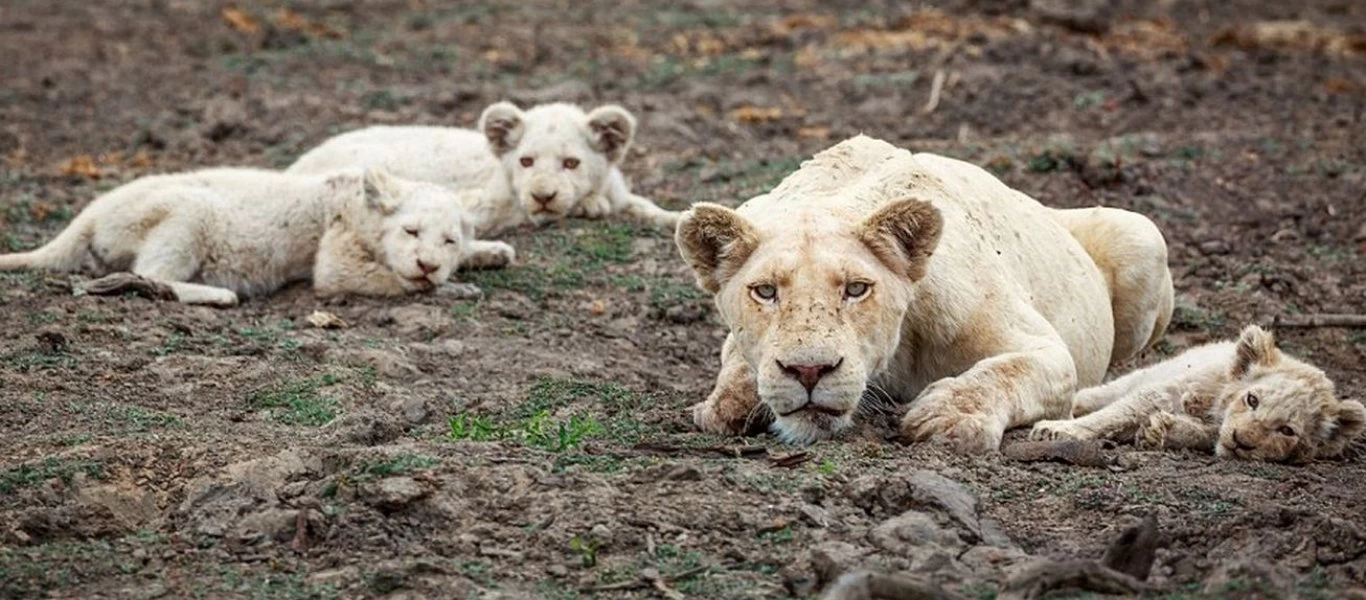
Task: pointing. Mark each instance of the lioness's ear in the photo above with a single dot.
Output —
(903, 235)
(1255, 346)
(714, 241)
(502, 124)
(381, 191)
(611, 129)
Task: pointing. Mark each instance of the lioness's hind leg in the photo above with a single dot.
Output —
(733, 408)
(1132, 255)
(168, 256)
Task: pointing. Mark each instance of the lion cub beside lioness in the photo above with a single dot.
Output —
(217, 234)
(1245, 399)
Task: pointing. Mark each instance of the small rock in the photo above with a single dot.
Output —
(1361, 233)
(683, 473)
(815, 515)
(934, 488)
(1081, 16)
(274, 524)
(557, 571)
(415, 410)
(396, 492)
(1211, 247)
(224, 117)
(459, 291)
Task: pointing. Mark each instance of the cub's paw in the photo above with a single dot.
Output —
(965, 433)
(1152, 434)
(1060, 430)
(459, 291)
(595, 206)
(489, 255)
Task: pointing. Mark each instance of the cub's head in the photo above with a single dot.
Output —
(418, 230)
(1279, 409)
(554, 155)
(814, 303)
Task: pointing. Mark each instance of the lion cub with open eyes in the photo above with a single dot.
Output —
(215, 234)
(1245, 399)
(537, 166)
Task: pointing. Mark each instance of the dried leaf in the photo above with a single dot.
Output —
(141, 160)
(756, 114)
(814, 133)
(325, 320)
(82, 166)
(598, 308)
(241, 22)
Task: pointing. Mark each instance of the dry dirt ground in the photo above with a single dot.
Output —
(493, 449)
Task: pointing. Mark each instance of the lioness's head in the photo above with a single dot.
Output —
(554, 155)
(1279, 409)
(420, 228)
(815, 304)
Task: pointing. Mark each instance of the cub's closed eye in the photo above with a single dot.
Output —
(856, 289)
(1251, 400)
(764, 292)
(413, 231)
(1287, 430)
(527, 161)
(571, 163)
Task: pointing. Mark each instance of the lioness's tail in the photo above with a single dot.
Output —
(64, 253)
(1132, 255)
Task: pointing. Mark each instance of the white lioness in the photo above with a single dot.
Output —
(539, 166)
(920, 275)
(217, 234)
(1245, 399)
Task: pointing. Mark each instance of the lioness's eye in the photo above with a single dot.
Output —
(571, 163)
(1287, 430)
(1251, 400)
(856, 289)
(527, 161)
(411, 231)
(764, 292)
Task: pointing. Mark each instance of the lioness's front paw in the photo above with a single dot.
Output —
(966, 433)
(708, 419)
(1152, 434)
(1060, 430)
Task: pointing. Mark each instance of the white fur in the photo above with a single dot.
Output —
(490, 158)
(217, 234)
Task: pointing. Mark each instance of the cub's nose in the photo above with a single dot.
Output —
(809, 375)
(543, 199)
(427, 268)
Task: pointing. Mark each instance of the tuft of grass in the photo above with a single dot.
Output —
(587, 549)
(30, 474)
(537, 431)
(299, 401)
(401, 464)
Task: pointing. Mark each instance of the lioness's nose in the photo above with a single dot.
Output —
(427, 268)
(544, 198)
(809, 375)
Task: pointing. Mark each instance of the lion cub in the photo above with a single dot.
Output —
(217, 234)
(535, 166)
(1245, 399)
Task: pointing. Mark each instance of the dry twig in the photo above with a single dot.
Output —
(936, 88)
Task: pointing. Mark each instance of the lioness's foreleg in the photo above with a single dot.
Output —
(733, 408)
(973, 410)
(484, 254)
(169, 256)
(1118, 420)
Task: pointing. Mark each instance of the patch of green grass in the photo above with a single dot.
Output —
(1055, 157)
(141, 419)
(170, 345)
(666, 293)
(401, 464)
(299, 402)
(1088, 100)
(1194, 317)
(537, 431)
(587, 549)
(533, 281)
(477, 428)
(13, 243)
(29, 474)
(782, 535)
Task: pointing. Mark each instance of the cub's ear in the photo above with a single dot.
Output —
(381, 190)
(1256, 346)
(610, 131)
(503, 125)
(715, 241)
(903, 235)
(1341, 429)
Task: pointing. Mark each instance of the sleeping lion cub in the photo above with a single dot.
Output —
(217, 234)
(1245, 399)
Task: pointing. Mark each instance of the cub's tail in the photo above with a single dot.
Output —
(63, 253)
